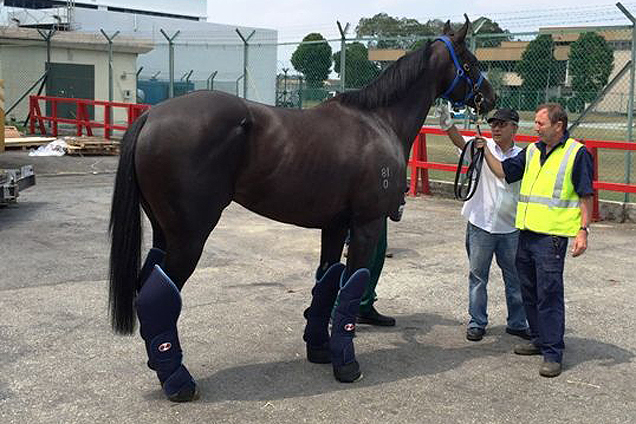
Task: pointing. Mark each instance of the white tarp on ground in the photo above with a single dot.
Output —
(54, 148)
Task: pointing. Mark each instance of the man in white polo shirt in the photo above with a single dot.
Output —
(491, 228)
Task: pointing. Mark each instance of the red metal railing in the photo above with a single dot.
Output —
(82, 116)
(420, 165)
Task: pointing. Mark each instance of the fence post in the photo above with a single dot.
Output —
(110, 79)
(1, 115)
(419, 155)
(210, 82)
(54, 116)
(343, 54)
(32, 115)
(245, 52)
(630, 102)
(170, 60)
(426, 188)
(414, 173)
(596, 215)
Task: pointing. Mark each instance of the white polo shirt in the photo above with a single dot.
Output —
(494, 205)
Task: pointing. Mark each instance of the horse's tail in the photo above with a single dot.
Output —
(125, 234)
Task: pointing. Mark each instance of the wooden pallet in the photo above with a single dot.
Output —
(84, 146)
(25, 143)
(11, 132)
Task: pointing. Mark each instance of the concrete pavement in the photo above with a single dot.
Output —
(241, 326)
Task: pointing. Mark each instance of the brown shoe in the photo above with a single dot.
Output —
(550, 369)
(527, 349)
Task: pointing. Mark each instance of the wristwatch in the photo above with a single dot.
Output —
(586, 229)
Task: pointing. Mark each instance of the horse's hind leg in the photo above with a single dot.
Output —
(182, 218)
(159, 300)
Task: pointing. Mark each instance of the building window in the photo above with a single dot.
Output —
(42, 4)
(145, 12)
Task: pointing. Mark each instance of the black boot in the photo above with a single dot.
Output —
(345, 367)
(318, 314)
(373, 317)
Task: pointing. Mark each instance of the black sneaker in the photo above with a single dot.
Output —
(524, 334)
(475, 334)
(373, 317)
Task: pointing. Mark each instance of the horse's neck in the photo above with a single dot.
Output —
(407, 115)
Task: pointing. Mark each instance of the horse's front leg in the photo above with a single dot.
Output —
(353, 282)
(324, 292)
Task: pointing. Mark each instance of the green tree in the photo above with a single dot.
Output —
(539, 70)
(591, 63)
(483, 39)
(359, 69)
(489, 27)
(313, 60)
(384, 26)
(496, 78)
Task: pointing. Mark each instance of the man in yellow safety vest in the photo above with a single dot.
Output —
(555, 202)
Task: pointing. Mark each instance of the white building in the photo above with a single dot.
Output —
(201, 49)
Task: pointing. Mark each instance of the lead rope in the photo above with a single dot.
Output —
(465, 188)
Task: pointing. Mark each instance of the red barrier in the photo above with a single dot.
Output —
(82, 116)
(419, 162)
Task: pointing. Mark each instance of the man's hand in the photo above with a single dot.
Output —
(445, 120)
(480, 143)
(580, 243)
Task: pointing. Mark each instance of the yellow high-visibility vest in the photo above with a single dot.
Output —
(548, 203)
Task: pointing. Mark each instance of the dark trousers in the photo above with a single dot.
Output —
(540, 260)
(375, 268)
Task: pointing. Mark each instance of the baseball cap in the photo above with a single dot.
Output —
(505, 115)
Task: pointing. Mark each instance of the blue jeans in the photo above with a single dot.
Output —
(480, 246)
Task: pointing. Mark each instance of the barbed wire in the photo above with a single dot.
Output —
(519, 21)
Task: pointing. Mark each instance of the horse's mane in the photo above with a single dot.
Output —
(391, 84)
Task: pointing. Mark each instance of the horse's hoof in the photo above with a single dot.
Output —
(186, 394)
(319, 355)
(347, 373)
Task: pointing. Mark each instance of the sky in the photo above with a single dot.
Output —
(296, 18)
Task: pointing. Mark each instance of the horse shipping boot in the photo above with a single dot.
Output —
(318, 314)
(158, 307)
(345, 367)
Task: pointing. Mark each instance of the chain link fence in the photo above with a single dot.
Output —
(588, 70)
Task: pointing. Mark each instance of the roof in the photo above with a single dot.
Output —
(75, 40)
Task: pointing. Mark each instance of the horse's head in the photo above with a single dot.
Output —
(462, 81)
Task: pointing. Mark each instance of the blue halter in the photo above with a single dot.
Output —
(460, 75)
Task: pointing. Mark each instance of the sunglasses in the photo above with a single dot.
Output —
(500, 124)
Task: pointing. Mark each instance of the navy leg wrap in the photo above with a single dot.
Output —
(158, 307)
(318, 314)
(343, 358)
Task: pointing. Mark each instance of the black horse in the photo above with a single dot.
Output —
(339, 166)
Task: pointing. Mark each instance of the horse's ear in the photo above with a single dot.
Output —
(447, 28)
(461, 34)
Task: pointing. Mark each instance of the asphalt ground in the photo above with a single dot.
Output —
(241, 326)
